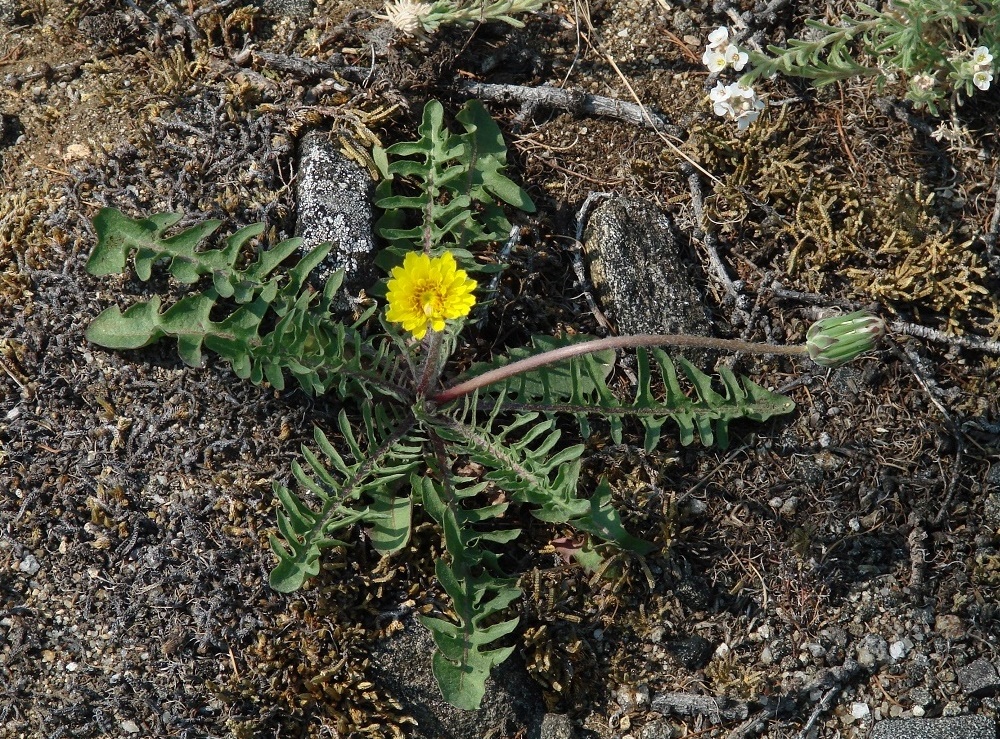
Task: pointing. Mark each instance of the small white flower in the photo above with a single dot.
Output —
(982, 79)
(724, 109)
(924, 82)
(749, 116)
(714, 60)
(737, 102)
(718, 37)
(981, 56)
(738, 90)
(736, 57)
(719, 93)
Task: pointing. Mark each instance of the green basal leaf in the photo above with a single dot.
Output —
(268, 327)
(459, 179)
(391, 517)
(136, 327)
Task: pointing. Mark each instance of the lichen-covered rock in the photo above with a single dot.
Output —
(639, 271)
(335, 204)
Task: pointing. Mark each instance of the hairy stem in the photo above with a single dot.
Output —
(432, 362)
(613, 342)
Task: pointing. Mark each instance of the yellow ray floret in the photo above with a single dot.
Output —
(425, 292)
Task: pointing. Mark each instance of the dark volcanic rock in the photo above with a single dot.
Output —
(979, 678)
(693, 652)
(955, 727)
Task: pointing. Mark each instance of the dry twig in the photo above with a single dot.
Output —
(967, 341)
(707, 237)
(578, 103)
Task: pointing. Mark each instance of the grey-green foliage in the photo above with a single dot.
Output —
(271, 324)
(441, 191)
(431, 16)
(397, 459)
(927, 42)
(579, 387)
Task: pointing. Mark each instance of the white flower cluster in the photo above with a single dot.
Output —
(720, 53)
(982, 67)
(408, 16)
(734, 101)
(738, 102)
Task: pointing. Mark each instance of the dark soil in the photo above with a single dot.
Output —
(135, 493)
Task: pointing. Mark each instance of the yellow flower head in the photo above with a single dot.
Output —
(425, 292)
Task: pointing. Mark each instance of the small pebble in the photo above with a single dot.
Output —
(29, 565)
(899, 649)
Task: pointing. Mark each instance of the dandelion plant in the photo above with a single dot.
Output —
(402, 442)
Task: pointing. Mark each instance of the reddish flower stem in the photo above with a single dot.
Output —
(614, 342)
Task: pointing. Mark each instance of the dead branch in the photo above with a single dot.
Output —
(715, 709)
(531, 99)
(967, 341)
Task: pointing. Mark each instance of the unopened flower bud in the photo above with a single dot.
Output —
(837, 340)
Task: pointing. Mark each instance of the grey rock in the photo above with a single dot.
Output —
(657, 729)
(951, 708)
(979, 678)
(991, 504)
(290, 8)
(632, 697)
(694, 593)
(834, 636)
(683, 23)
(873, 650)
(958, 727)
(949, 626)
(557, 726)
(108, 29)
(715, 709)
(780, 648)
(639, 272)
(921, 696)
(335, 204)
(512, 705)
(12, 12)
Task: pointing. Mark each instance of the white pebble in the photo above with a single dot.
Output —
(29, 565)
(899, 649)
(860, 710)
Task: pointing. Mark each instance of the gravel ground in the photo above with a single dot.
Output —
(831, 569)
